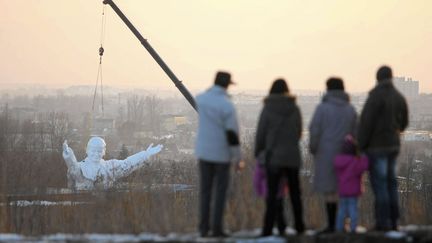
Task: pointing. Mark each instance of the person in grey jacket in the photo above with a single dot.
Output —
(217, 145)
(384, 117)
(277, 137)
(333, 119)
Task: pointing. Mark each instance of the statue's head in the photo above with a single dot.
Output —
(96, 149)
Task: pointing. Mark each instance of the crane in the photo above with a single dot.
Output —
(185, 92)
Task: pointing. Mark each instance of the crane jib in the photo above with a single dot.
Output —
(185, 92)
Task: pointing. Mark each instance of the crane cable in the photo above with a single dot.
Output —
(99, 72)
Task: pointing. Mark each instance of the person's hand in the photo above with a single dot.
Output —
(240, 165)
(236, 158)
(154, 150)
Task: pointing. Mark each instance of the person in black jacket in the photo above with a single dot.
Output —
(384, 117)
(278, 134)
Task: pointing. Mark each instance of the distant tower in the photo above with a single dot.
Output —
(408, 87)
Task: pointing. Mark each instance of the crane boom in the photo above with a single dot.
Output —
(154, 54)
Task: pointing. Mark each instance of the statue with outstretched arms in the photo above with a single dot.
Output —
(94, 171)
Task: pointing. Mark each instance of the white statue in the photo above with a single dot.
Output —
(94, 171)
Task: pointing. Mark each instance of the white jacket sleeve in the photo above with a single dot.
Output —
(231, 124)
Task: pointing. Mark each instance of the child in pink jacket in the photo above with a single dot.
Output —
(349, 167)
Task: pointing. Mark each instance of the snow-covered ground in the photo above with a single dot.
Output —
(246, 236)
(250, 236)
(144, 237)
(26, 203)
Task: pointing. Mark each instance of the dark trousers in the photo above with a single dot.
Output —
(274, 206)
(382, 173)
(213, 177)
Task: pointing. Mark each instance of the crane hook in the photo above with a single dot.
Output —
(101, 51)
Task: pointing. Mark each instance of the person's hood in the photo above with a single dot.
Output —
(337, 97)
(281, 104)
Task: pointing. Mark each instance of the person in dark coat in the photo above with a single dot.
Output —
(384, 117)
(333, 119)
(278, 134)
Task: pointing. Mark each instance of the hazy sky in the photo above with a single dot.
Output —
(55, 42)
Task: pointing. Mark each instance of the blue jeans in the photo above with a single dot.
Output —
(347, 208)
(384, 184)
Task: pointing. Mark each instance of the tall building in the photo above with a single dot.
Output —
(408, 87)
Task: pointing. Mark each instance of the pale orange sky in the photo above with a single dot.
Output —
(55, 42)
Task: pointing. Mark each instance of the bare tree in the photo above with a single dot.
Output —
(57, 125)
(153, 113)
(8, 131)
(135, 108)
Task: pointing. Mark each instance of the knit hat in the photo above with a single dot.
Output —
(349, 145)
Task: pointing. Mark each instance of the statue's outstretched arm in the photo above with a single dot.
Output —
(121, 168)
(69, 157)
(142, 156)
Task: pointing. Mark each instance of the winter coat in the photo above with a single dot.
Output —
(333, 119)
(217, 115)
(384, 117)
(349, 169)
(279, 131)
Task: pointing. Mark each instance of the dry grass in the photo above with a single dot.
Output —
(158, 210)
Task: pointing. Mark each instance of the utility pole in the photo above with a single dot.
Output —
(153, 53)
